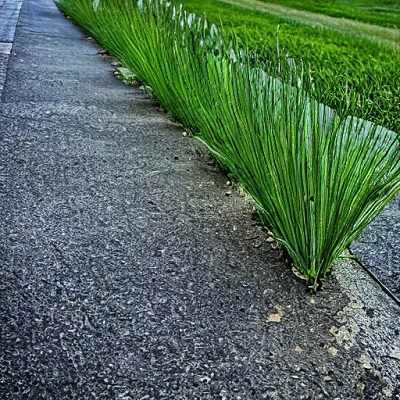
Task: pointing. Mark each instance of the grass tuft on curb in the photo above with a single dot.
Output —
(317, 176)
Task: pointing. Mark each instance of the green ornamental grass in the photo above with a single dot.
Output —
(317, 176)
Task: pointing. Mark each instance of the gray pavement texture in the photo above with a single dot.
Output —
(127, 273)
(379, 247)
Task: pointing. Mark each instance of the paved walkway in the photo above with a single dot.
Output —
(127, 273)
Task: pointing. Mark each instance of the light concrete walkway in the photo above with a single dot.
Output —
(9, 13)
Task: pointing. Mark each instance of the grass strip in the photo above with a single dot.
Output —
(378, 12)
(338, 62)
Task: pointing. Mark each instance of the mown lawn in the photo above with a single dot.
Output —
(378, 12)
(338, 62)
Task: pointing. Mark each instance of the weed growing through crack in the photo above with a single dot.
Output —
(317, 176)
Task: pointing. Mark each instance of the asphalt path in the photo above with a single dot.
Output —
(128, 272)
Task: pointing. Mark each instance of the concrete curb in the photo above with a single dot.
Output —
(9, 15)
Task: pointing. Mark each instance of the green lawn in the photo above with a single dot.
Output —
(383, 12)
(337, 61)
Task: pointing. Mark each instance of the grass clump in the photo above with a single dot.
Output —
(317, 176)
